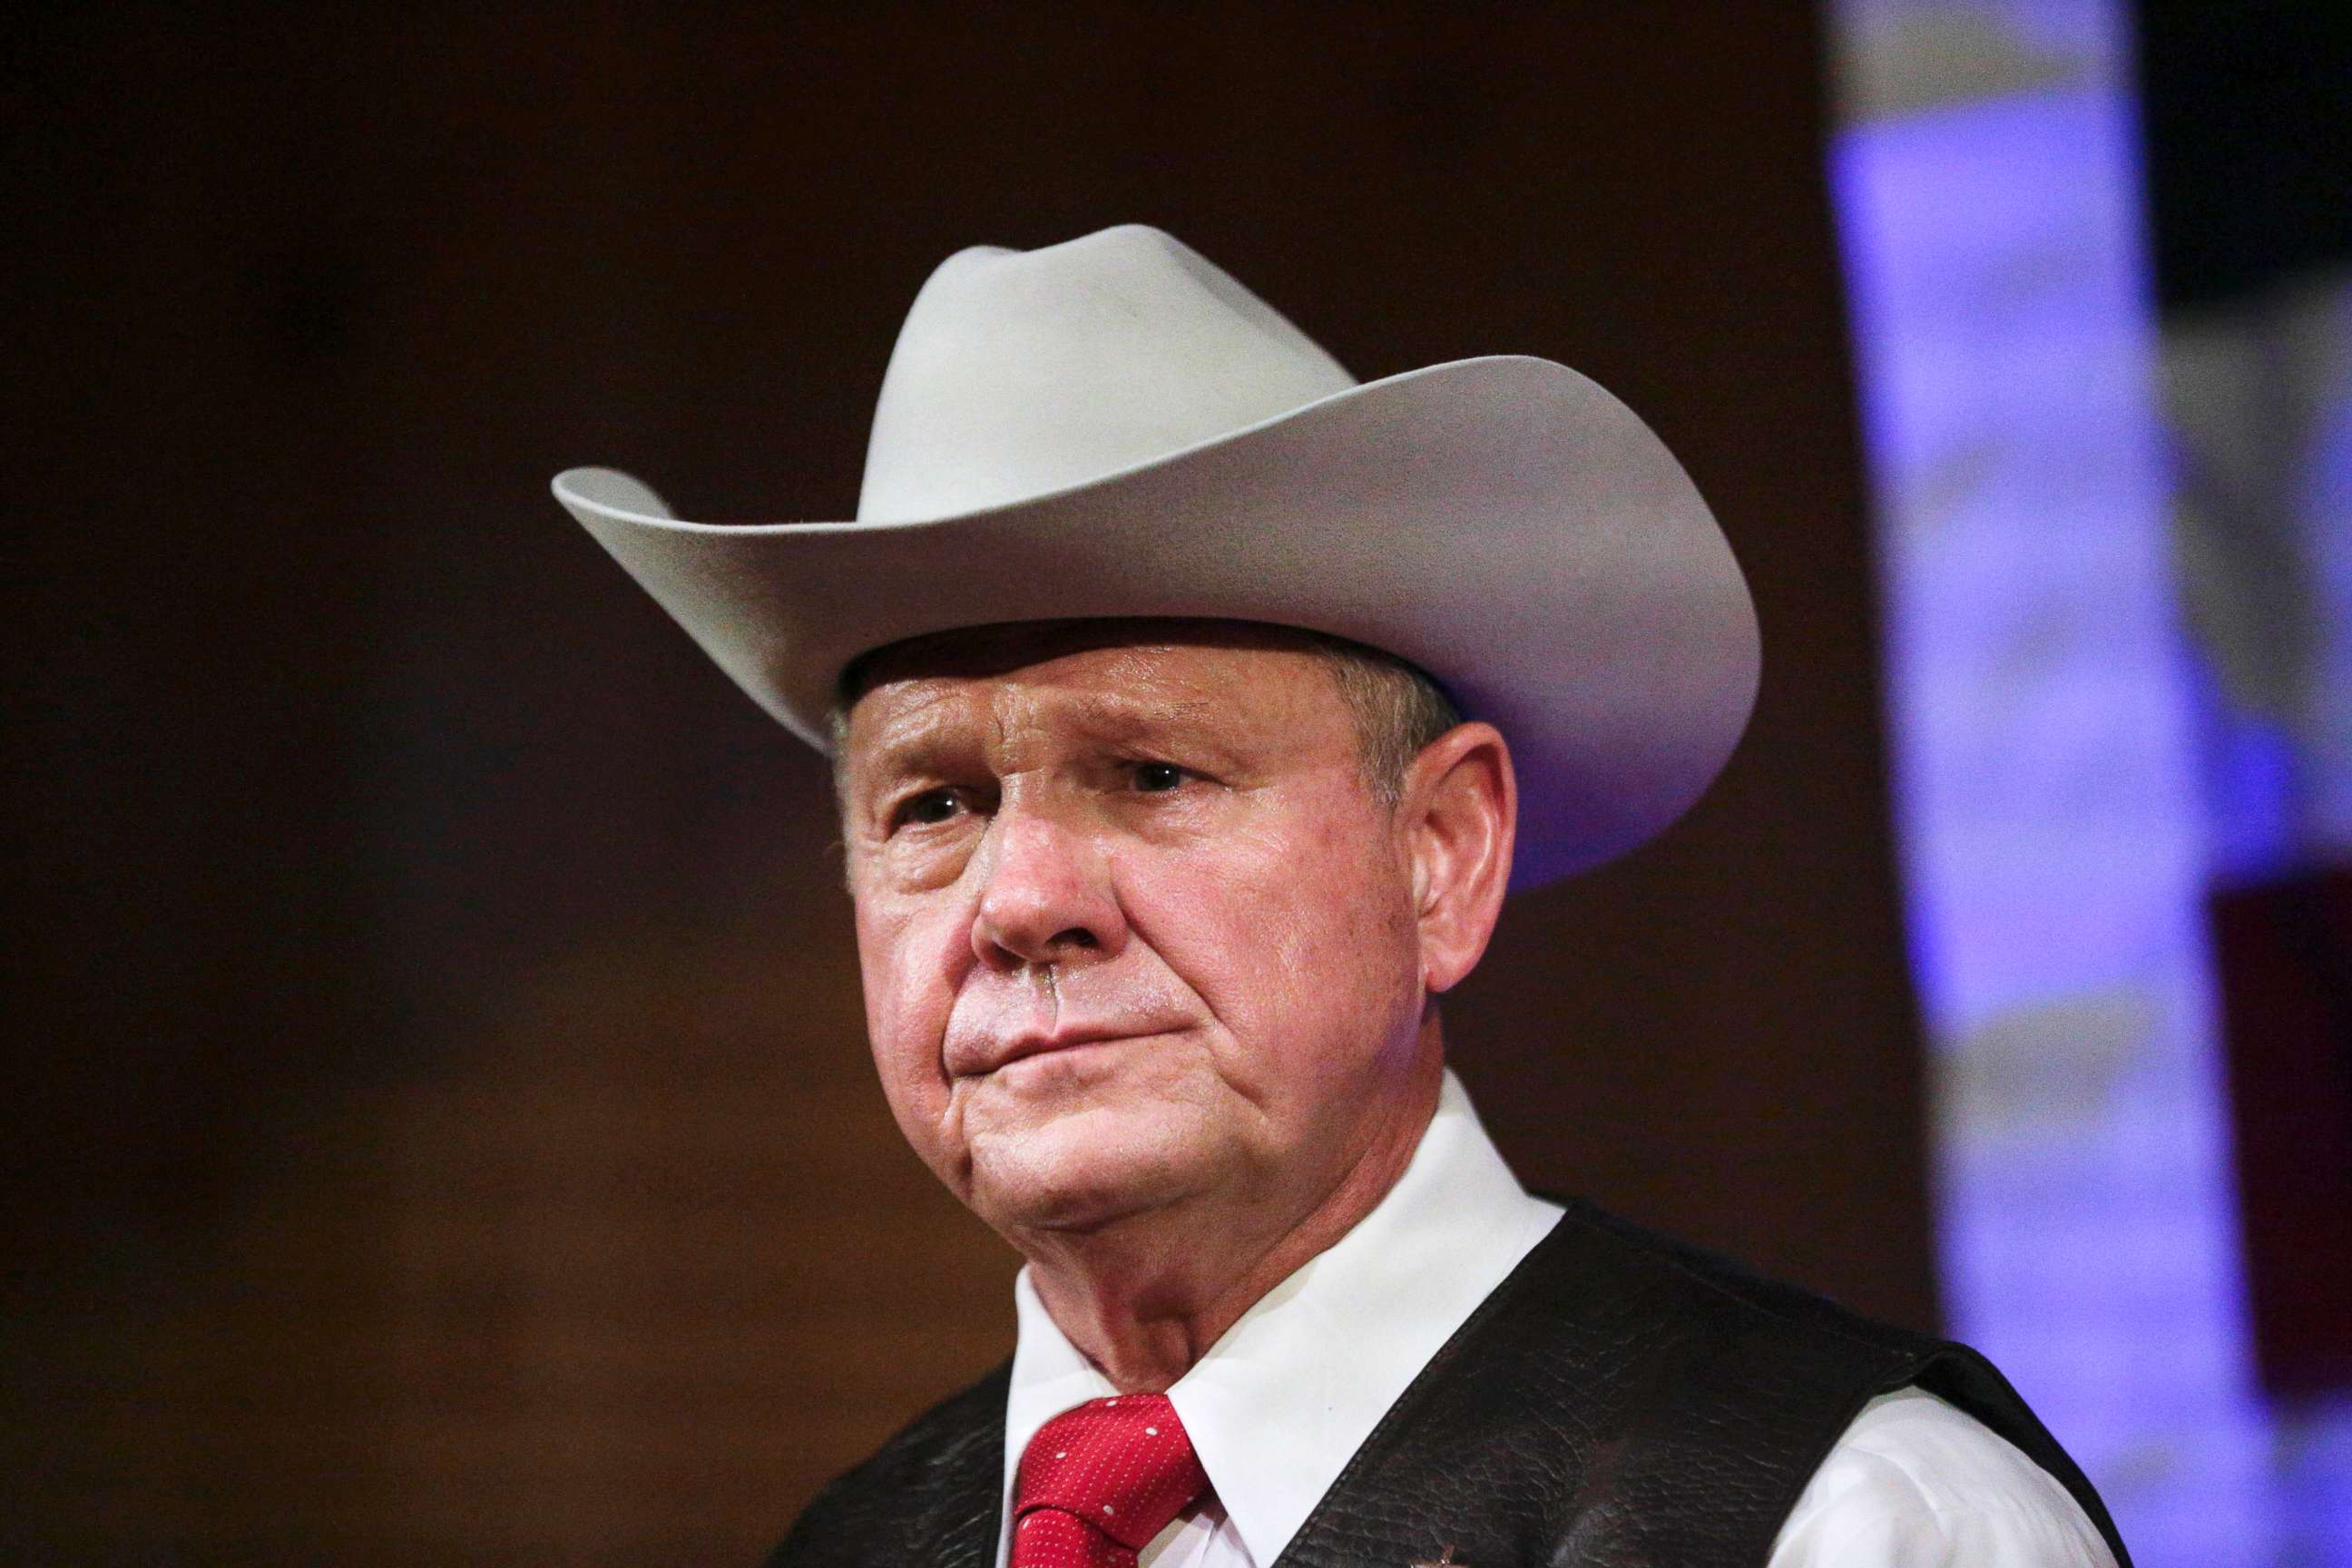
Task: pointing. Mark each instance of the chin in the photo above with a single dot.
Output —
(1081, 1172)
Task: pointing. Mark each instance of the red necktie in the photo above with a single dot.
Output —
(1099, 1482)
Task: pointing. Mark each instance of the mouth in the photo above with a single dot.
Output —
(995, 1055)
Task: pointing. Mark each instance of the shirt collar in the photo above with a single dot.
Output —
(1283, 1399)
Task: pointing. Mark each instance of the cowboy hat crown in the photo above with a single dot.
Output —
(1114, 426)
(1018, 374)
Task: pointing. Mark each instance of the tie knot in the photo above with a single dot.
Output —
(1122, 1465)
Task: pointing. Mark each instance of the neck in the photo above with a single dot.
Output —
(1145, 1298)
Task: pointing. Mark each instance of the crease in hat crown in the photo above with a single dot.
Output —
(1018, 374)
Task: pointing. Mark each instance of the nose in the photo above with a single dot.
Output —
(1048, 897)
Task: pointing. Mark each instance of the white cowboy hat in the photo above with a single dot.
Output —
(1114, 426)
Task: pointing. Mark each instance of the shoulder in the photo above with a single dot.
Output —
(938, 1481)
(1915, 1482)
(1791, 1391)
(1727, 1295)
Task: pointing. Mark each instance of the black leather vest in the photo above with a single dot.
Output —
(1620, 1400)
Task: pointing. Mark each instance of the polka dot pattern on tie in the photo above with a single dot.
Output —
(1096, 1483)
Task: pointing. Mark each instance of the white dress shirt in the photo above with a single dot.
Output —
(1278, 1406)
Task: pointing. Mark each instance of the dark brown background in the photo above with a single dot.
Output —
(438, 1128)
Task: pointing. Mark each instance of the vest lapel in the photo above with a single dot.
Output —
(1455, 1464)
(964, 1501)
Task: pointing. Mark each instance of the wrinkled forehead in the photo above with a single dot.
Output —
(1215, 685)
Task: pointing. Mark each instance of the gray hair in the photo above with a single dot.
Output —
(1397, 708)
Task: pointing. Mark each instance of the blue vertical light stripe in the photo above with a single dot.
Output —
(1987, 180)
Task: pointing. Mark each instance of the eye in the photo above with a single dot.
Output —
(929, 808)
(1158, 778)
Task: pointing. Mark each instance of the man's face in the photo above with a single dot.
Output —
(1134, 931)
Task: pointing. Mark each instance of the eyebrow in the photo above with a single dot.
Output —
(1122, 715)
(906, 742)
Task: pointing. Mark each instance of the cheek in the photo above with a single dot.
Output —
(903, 959)
(1303, 944)
(1350, 954)
(1337, 911)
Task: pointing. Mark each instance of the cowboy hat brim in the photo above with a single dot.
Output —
(1502, 522)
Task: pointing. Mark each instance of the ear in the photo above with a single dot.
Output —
(1458, 814)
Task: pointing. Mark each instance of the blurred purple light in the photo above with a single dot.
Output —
(2050, 801)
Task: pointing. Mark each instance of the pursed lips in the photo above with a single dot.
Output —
(978, 1058)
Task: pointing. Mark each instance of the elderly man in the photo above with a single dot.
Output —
(1192, 708)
